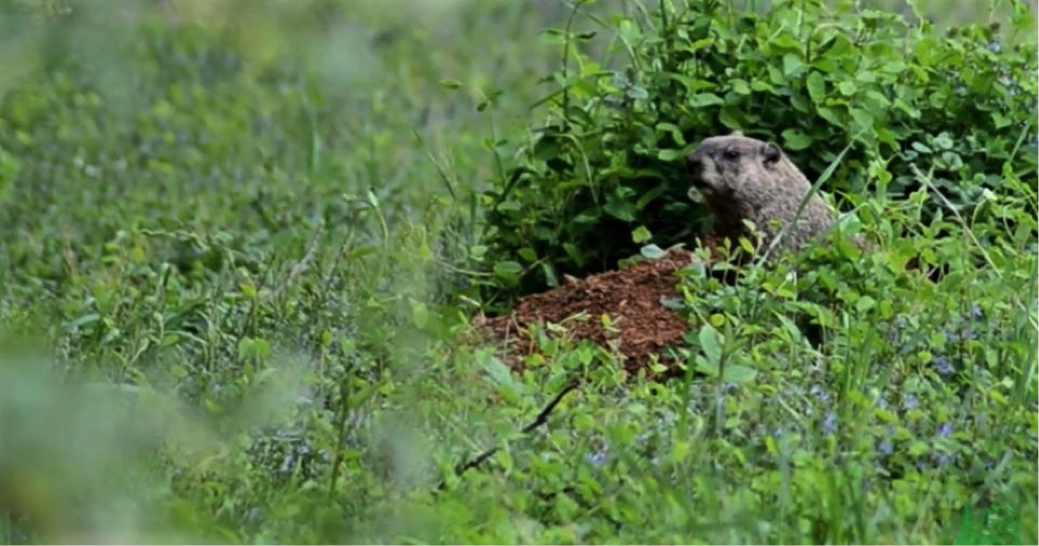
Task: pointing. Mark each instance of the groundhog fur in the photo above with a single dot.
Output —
(742, 178)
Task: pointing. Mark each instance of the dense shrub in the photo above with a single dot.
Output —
(959, 106)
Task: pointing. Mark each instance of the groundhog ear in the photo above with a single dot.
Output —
(771, 152)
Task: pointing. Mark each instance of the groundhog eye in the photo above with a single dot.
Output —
(731, 154)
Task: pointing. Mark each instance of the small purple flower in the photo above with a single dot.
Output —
(819, 393)
(885, 447)
(909, 402)
(596, 459)
(830, 422)
(899, 326)
(975, 311)
(942, 365)
(945, 430)
(253, 514)
(881, 403)
(287, 462)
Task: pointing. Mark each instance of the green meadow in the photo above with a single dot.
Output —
(245, 244)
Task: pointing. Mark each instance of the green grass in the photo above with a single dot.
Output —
(226, 287)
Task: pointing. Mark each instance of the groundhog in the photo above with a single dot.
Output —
(742, 178)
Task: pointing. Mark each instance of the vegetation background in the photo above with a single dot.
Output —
(242, 242)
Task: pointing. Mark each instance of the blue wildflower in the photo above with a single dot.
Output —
(945, 430)
(885, 447)
(909, 402)
(942, 365)
(830, 422)
(819, 393)
(596, 459)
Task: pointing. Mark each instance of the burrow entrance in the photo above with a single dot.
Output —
(641, 324)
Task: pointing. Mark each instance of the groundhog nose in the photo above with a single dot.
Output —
(693, 162)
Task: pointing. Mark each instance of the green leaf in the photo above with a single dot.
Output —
(248, 290)
(943, 142)
(506, 382)
(831, 115)
(740, 86)
(641, 235)
(730, 117)
(801, 103)
(762, 85)
(507, 269)
(863, 118)
(796, 139)
(816, 88)
(921, 147)
(792, 65)
(705, 99)
(550, 274)
(637, 92)
(1001, 121)
(846, 88)
(419, 314)
(528, 254)
(711, 344)
(669, 154)
(865, 304)
(701, 43)
(652, 252)
(620, 208)
(736, 373)
(791, 329)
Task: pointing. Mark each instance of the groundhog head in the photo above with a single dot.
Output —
(723, 165)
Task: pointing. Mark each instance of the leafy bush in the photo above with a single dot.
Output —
(960, 106)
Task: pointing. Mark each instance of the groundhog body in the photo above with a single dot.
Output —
(742, 178)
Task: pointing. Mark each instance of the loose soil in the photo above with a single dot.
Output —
(643, 327)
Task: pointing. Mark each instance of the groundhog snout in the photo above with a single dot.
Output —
(694, 163)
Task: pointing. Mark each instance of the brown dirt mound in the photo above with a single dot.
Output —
(631, 297)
